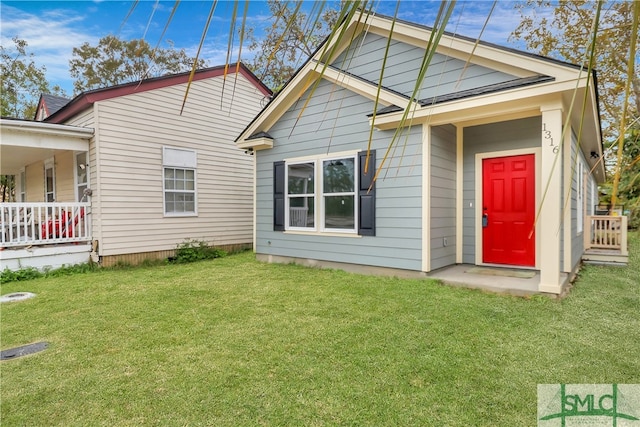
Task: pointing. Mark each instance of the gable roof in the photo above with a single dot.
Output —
(86, 99)
(496, 87)
(528, 70)
(51, 104)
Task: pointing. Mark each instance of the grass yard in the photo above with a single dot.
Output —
(234, 342)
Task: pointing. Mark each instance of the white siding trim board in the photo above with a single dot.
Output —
(426, 200)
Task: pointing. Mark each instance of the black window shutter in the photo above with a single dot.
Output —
(278, 196)
(366, 196)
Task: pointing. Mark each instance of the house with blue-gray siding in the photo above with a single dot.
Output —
(493, 164)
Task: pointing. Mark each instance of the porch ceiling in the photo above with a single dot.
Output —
(24, 142)
(14, 157)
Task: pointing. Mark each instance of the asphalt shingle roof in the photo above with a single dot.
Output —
(54, 102)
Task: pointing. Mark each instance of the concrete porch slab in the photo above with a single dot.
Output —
(460, 275)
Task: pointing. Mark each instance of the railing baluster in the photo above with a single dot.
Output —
(25, 224)
(606, 232)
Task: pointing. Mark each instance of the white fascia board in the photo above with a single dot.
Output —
(45, 128)
(335, 46)
(488, 56)
(366, 89)
(305, 78)
(256, 143)
(518, 98)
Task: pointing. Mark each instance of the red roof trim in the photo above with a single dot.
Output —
(85, 99)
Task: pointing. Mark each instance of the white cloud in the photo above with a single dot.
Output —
(50, 37)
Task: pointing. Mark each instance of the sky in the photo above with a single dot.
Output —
(53, 28)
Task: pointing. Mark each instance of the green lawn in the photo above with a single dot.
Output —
(234, 342)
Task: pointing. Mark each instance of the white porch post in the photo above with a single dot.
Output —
(426, 201)
(549, 204)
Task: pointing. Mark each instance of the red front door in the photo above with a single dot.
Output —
(508, 206)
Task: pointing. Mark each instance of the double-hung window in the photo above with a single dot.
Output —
(179, 181)
(325, 194)
(339, 194)
(301, 195)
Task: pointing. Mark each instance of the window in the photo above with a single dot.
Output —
(23, 185)
(338, 189)
(325, 194)
(179, 181)
(82, 176)
(49, 181)
(301, 195)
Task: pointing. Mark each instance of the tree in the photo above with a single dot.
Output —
(22, 81)
(291, 38)
(7, 187)
(114, 61)
(629, 187)
(565, 35)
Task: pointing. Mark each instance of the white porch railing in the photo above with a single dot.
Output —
(606, 232)
(24, 224)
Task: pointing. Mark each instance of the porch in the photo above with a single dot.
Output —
(506, 280)
(44, 235)
(605, 240)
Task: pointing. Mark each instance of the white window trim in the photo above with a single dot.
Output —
(50, 164)
(319, 196)
(22, 185)
(187, 160)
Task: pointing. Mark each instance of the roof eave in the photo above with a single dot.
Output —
(87, 99)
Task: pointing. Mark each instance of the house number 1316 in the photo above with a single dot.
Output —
(547, 136)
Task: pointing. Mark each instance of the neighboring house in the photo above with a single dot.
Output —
(49, 104)
(150, 176)
(493, 167)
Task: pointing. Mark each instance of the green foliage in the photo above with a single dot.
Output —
(73, 269)
(22, 81)
(250, 343)
(8, 187)
(629, 186)
(292, 37)
(563, 31)
(30, 273)
(114, 61)
(189, 251)
(193, 250)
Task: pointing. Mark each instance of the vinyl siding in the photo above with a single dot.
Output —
(501, 136)
(87, 119)
(128, 180)
(442, 192)
(445, 75)
(335, 120)
(65, 177)
(35, 182)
